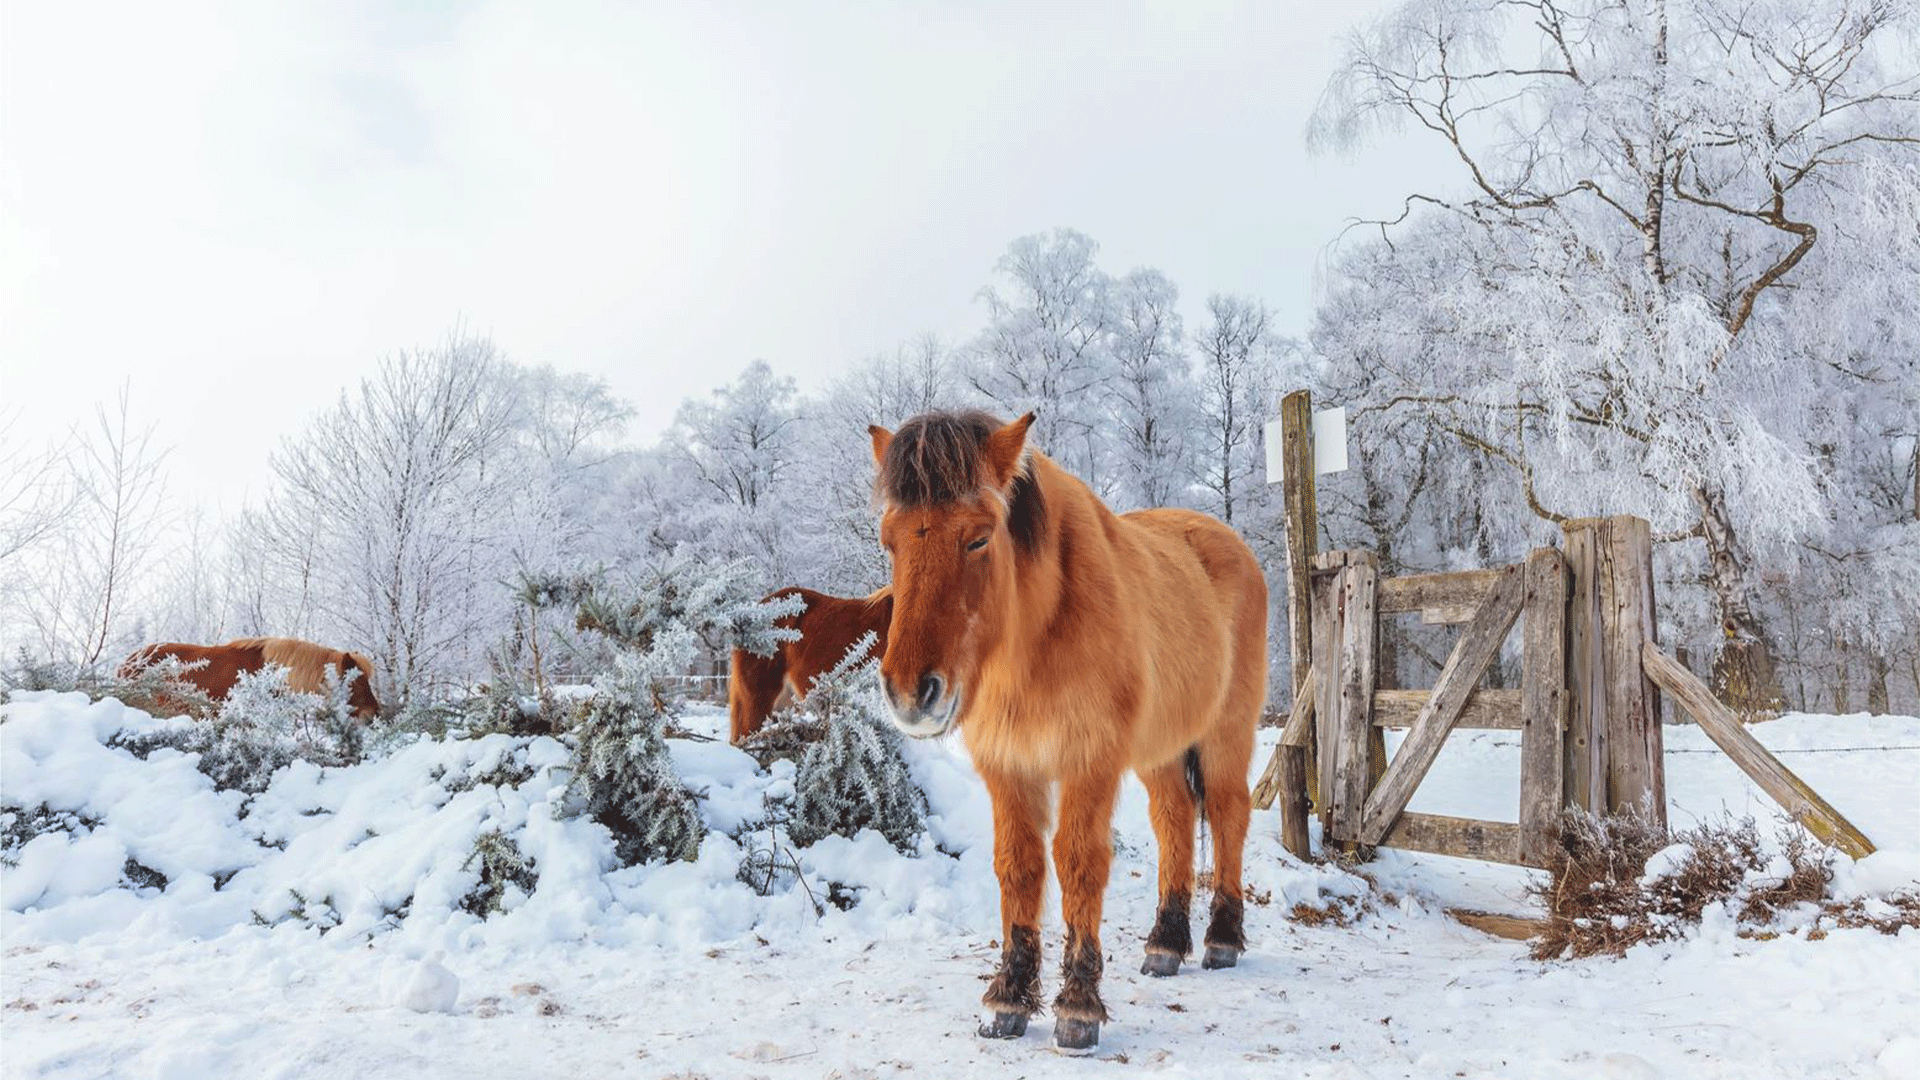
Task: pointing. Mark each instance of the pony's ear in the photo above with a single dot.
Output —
(1005, 449)
(882, 438)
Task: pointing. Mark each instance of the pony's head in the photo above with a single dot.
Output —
(360, 694)
(958, 506)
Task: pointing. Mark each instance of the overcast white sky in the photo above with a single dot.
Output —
(239, 206)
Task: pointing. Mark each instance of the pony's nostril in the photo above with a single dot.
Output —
(930, 689)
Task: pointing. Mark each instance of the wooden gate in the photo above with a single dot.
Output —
(1587, 708)
(1365, 795)
(1588, 717)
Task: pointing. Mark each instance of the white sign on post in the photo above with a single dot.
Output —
(1275, 460)
(1330, 440)
(1329, 444)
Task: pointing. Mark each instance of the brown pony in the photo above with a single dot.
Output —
(829, 626)
(1070, 644)
(306, 665)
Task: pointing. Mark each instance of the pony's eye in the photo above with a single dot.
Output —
(978, 544)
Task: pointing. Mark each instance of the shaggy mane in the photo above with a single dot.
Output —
(306, 663)
(940, 457)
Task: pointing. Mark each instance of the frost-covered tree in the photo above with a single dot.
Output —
(85, 593)
(1238, 359)
(395, 513)
(734, 457)
(1153, 397)
(1630, 293)
(854, 777)
(1047, 348)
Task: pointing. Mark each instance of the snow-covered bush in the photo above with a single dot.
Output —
(719, 604)
(262, 726)
(854, 778)
(622, 771)
(506, 874)
(159, 687)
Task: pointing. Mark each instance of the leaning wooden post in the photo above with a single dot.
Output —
(1613, 744)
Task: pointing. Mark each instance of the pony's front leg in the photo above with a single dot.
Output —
(1020, 862)
(1082, 855)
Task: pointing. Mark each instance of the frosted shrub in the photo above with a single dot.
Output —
(263, 725)
(854, 778)
(160, 687)
(504, 871)
(720, 604)
(621, 768)
(622, 772)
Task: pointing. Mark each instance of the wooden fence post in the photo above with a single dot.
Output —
(1324, 586)
(1302, 528)
(1614, 762)
(1355, 764)
(1543, 701)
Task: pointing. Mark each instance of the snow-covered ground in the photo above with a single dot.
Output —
(336, 946)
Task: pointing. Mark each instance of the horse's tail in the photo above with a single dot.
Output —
(1197, 782)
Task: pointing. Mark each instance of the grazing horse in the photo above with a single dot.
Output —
(306, 665)
(1069, 644)
(829, 626)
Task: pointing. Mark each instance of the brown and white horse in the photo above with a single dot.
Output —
(829, 626)
(306, 665)
(1070, 644)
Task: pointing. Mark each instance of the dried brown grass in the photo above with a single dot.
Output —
(1600, 902)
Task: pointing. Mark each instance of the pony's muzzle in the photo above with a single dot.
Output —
(930, 712)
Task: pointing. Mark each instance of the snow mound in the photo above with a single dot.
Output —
(392, 847)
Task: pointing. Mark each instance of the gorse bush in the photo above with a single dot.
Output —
(623, 775)
(854, 777)
(262, 726)
(159, 687)
(622, 771)
(505, 873)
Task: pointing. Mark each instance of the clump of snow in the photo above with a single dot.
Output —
(421, 985)
(1666, 862)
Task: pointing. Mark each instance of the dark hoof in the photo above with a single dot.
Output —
(1004, 1025)
(1076, 1034)
(1160, 965)
(1220, 956)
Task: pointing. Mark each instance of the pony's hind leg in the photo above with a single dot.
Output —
(1170, 801)
(1020, 862)
(1082, 857)
(1224, 758)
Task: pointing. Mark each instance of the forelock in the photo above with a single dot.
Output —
(936, 457)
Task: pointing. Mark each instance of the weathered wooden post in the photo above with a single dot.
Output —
(1613, 744)
(1543, 705)
(1295, 776)
(1356, 761)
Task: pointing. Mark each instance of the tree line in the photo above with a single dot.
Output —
(1676, 273)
